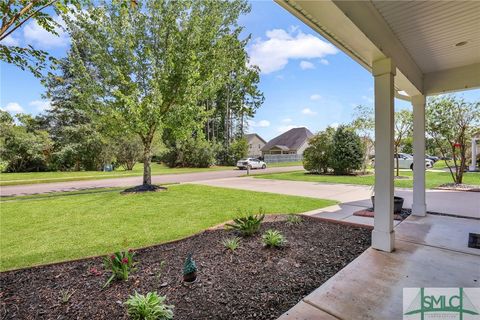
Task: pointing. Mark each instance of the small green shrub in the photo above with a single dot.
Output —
(120, 264)
(247, 225)
(294, 219)
(273, 238)
(189, 266)
(231, 243)
(148, 307)
(65, 295)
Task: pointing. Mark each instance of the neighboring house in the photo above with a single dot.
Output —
(255, 145)
(294, 141)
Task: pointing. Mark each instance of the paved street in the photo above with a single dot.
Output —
(131, 181)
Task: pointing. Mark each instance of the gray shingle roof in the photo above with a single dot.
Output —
(292, 139)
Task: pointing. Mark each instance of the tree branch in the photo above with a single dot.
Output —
(23, 11)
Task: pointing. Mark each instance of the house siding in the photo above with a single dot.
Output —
(254, 147)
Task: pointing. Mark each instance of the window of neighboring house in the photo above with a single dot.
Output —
(258, 146)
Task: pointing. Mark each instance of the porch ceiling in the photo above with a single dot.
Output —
(420, 37)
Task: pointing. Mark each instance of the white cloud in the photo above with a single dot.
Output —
(35, 35)
(324, 62)
(40, 105)
(368, 99)
(305, 65)
(287, 120)
(11, 41)
(259, 124)
(308, 112)
(13, 108)
(272, 54)
(315, 97)
(334, 125)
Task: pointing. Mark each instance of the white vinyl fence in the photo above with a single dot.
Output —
(274, 158)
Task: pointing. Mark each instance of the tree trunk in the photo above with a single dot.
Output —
(463, 161)
(147, 159)
(396, 159)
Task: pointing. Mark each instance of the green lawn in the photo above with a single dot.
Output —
(7, 179)
(43, 229)
(433, 179)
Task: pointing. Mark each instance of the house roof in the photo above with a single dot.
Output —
(250, 137)
(290, 140)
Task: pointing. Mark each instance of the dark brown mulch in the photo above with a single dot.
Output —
(144, 188)
(370, 214)
(253, 283)
(459, 187)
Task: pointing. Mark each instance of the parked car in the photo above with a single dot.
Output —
(405, 161)
(432, 158)
(251, 163)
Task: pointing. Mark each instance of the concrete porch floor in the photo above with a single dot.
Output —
(430, 251)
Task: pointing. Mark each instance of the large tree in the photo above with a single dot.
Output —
(81, 143)
(149, 66)
(450, 122)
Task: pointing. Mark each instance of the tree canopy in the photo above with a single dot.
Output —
(149, 68)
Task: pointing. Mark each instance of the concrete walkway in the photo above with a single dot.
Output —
(132, 181)
(429, 251)
(355, 197)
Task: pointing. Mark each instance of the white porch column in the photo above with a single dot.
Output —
(419, 207)
(473, 166)
(383, 236)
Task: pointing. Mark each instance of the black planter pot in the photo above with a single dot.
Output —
(190, 277)
(397, 204)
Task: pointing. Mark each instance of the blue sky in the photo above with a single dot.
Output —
(306, 80)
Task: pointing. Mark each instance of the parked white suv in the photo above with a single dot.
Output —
(251, 163)
(405, 161)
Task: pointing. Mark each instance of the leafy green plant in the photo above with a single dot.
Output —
(65, 295)
(273, 238)
(294, 219)
(247, 225)
(148, 307)
(158, 274)
(120, 264)
(231, 244)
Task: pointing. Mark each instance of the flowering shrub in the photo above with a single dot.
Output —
(120, 264)
(95, 272)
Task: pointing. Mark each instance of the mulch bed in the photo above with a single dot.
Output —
(459, 187)
(253, 283)
(143, 188)
(370, 213)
